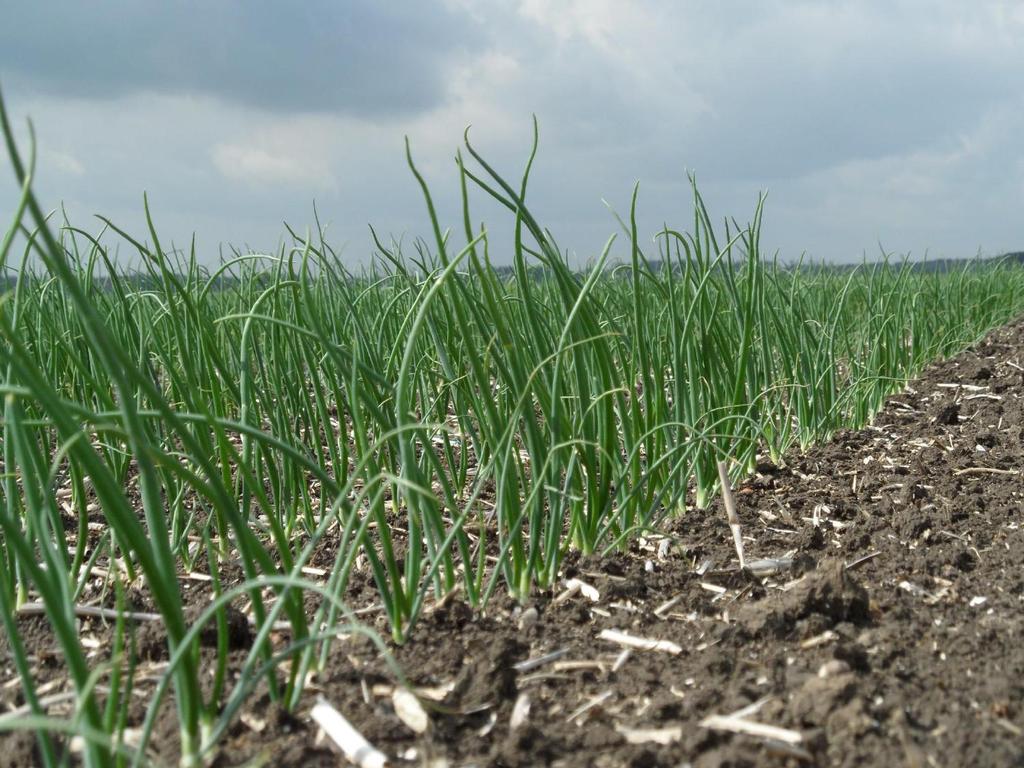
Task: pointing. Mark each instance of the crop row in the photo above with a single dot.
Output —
(442, 423)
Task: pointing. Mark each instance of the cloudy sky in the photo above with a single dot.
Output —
(870, 124)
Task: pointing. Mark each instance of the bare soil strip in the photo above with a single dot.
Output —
(877, 622)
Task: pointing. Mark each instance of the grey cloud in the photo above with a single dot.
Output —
(866, 121)
(354, 57)
(779, 121)
(766, 91)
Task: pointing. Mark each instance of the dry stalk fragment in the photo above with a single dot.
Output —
(770, 566)
(641, 643)
(587, 706)
(668, 735)
(667, 606)
(621, 659)
(353, 745)
(409, 710)
(751, 728)
(539, 661)
(520, 712)
(985, 471)
(730, 510)
(824, 638)
(584, 589)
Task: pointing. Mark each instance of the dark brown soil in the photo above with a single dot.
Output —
(891, 636)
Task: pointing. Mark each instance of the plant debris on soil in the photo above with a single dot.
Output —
(878, 622)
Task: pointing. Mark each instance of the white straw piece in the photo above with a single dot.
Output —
(409, 710)
(520, 712)
(621, 659)
(668, 735)
(730, 511)
(353, 745)
(749, 727)
(642, 643)
(587, 590)
(539, 661)
(770, 566)
(596, 701)
(668, 605)
(570, 590)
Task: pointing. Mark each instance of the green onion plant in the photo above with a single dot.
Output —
(455, 417)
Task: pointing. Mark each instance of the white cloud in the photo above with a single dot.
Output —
(63, 162)
(258, 165)
(594, 21)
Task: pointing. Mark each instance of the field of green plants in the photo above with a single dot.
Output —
(440, 422)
